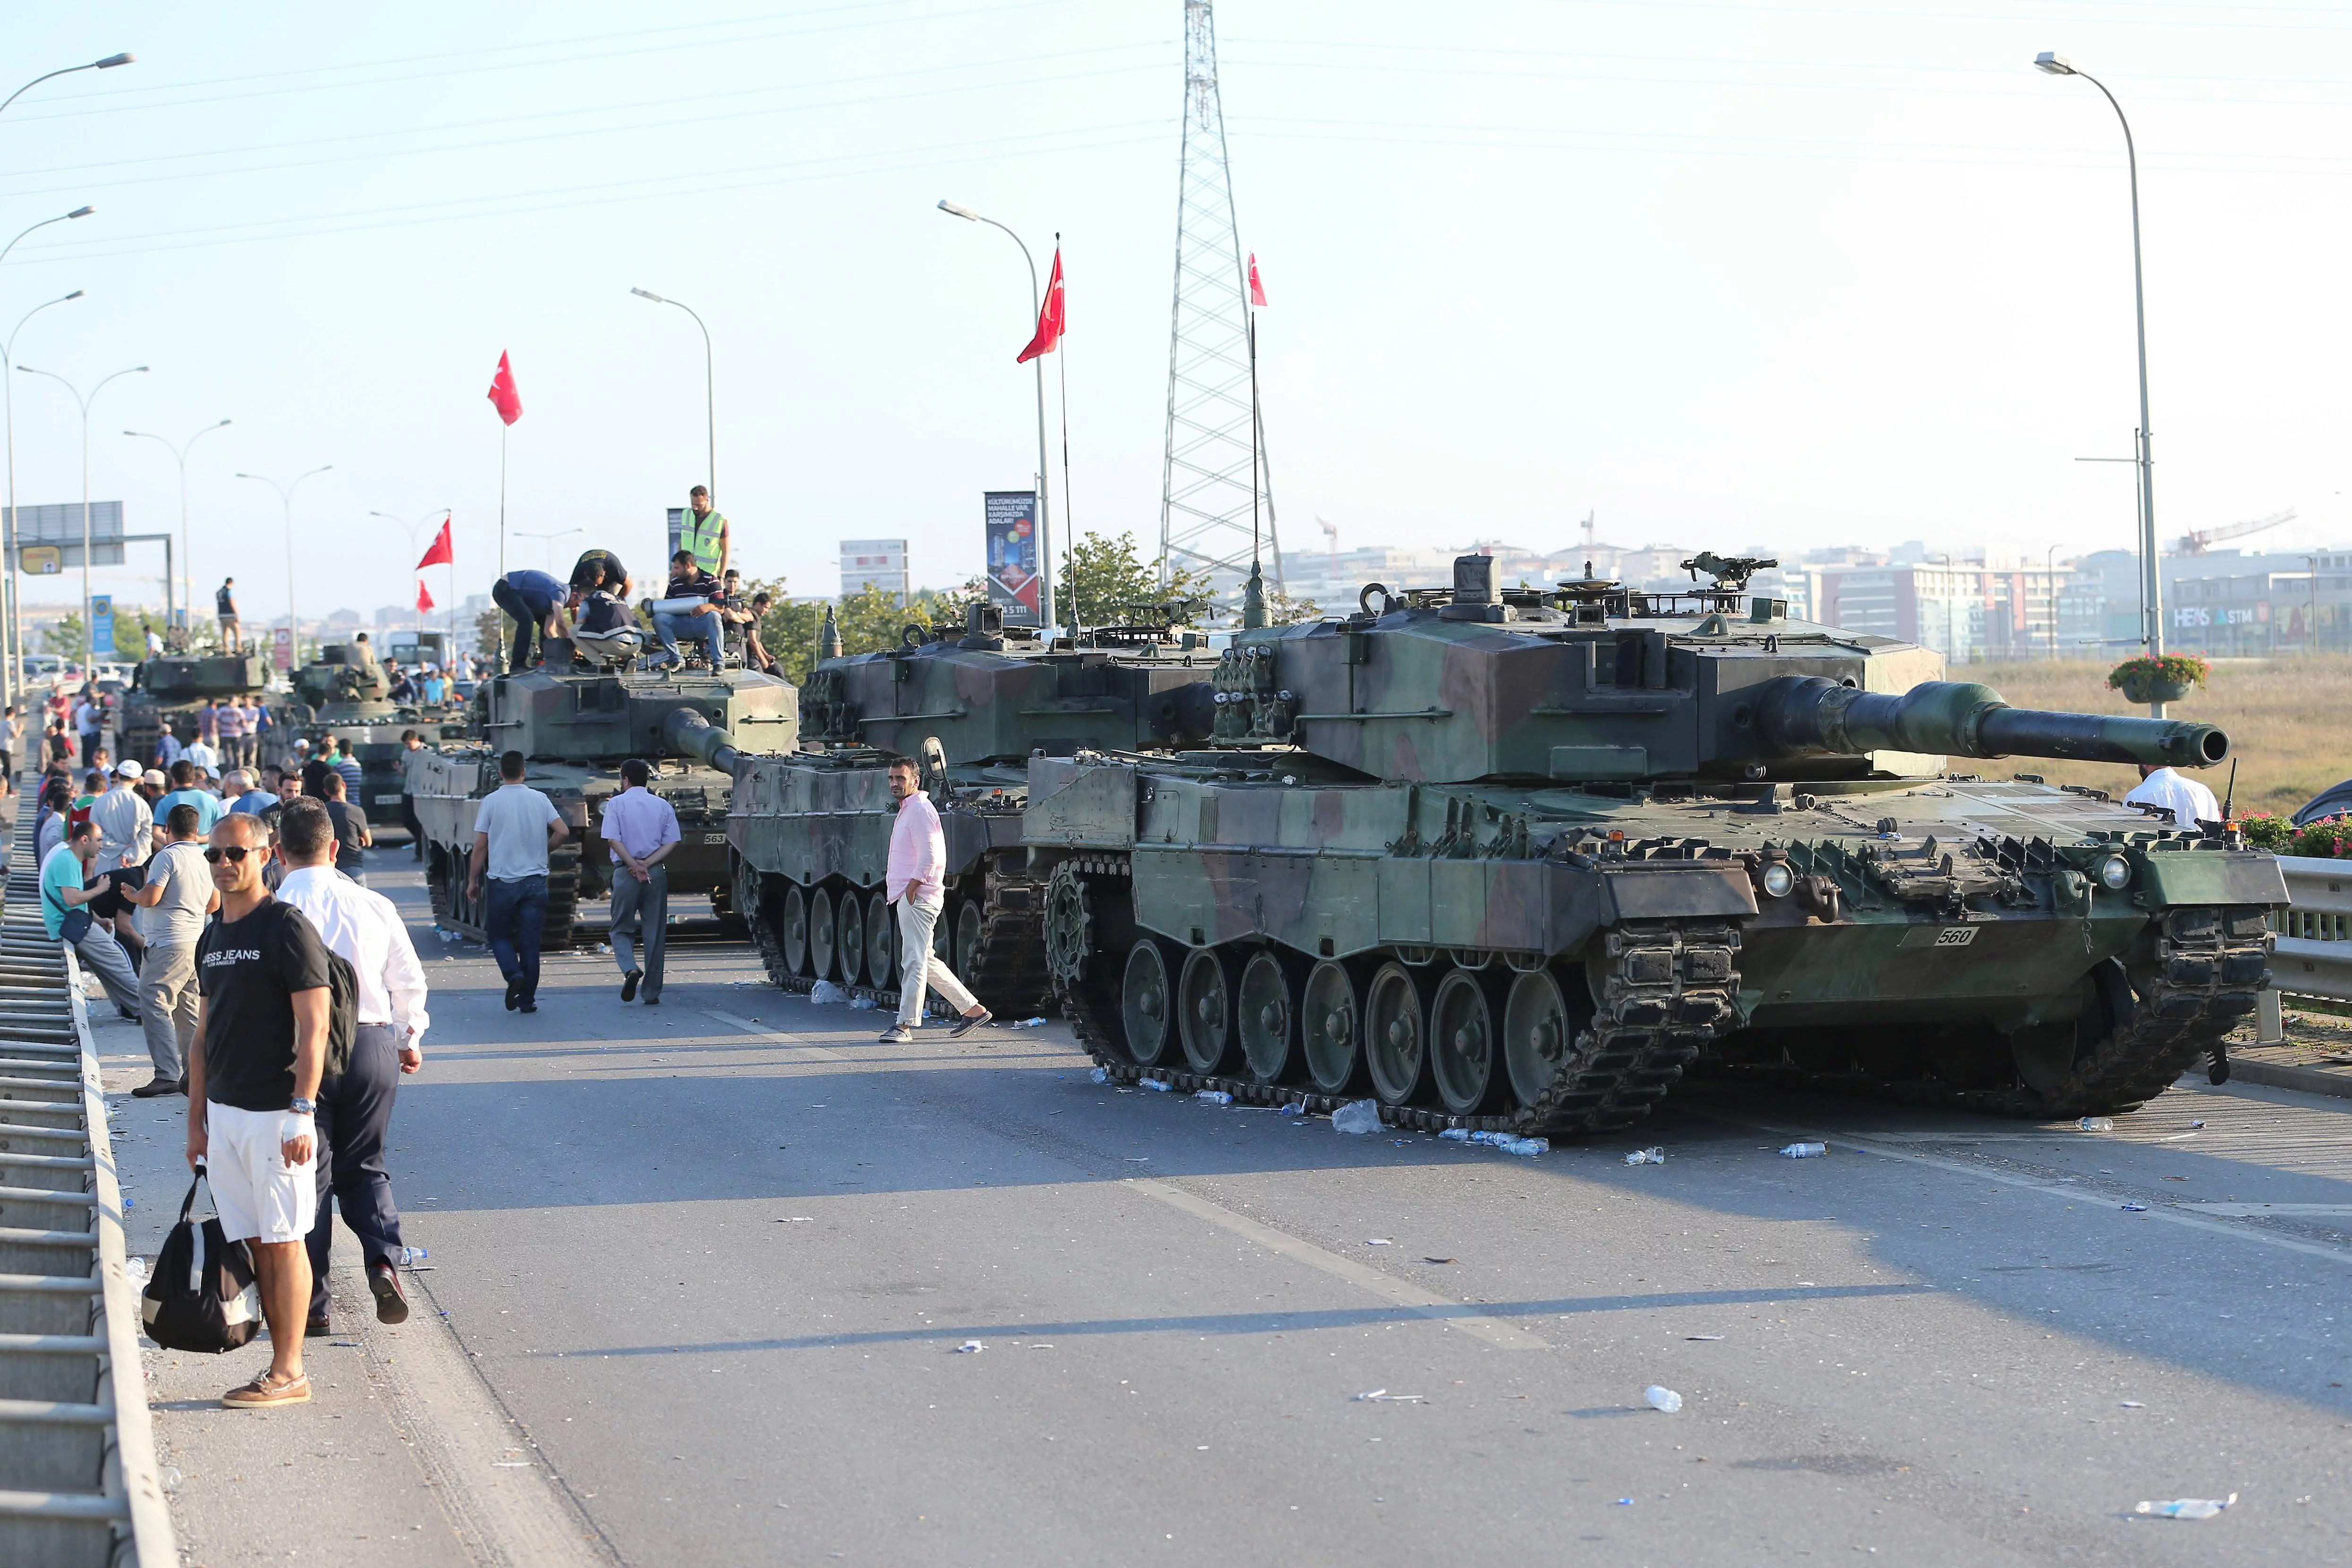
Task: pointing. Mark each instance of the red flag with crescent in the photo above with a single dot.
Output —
(424, 597)
(1050, 319)
(440, 552)
(1257, 289)
(503, 395)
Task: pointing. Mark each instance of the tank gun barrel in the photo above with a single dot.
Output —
(690, 734)
(1807, 716)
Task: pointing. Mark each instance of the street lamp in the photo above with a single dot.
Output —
(286, 497)
(551, 539)
(89, 632)
(187, 561)
(12, 651)
(2151, 569)
(108, 64)
(709, 397)
(1044, 529)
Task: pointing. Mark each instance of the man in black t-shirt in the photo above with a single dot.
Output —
(351, 834)
(253, 1082)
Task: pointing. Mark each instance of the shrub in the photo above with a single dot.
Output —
(2180, 667)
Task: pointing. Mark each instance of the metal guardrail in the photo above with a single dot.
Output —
(78, 1478)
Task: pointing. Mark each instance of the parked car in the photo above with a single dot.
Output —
(2336, 800)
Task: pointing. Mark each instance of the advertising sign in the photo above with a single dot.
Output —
(874, 563)
(1012, 586)
(102, 625)
(282, 655)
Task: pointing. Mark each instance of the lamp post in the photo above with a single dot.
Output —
(709, 395)
(551, 538)
(187, 561)
(2151, 567)
(108, 64)
(12, 650)
(1045, 528)
(89, 632)
(286, 498)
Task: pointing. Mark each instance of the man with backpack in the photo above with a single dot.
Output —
(262, 1027)
(356, 1098)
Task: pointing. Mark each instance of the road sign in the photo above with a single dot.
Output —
(101, 624)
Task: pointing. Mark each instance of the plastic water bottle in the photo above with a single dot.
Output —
(1526, 1148)
(134, 1269)
(1030, 1024)
(1100, 1075)
(1664, 1399)
(1646, 1157)
(410, 1256)
(1806, 1150)
(1455, 1135)
(1213, 1097)
(1296, 1108)
(2097, 1124)
(1156, 1085)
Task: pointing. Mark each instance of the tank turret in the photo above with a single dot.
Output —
(170, 690)
(1517, 858)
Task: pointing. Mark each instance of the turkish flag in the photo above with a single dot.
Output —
(424, 597)
(1051, 322)
(1257, 289)
(440, 552)
(503, 395)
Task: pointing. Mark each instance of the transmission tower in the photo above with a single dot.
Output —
(1216, 498)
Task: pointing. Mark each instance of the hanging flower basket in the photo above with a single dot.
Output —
(2168, 678)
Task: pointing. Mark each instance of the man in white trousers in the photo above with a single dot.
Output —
(918, 856)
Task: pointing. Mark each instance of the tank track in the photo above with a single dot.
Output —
(555, 931)
(1670, 986)
(1008, 967)
(2209, 965)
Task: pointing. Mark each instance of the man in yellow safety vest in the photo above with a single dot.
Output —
(702, 532)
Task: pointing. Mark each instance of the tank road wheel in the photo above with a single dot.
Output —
(1396, 1032)
(881, 941)
(1146, 999)
(792, 921)
(1539, 1024)
(1069, 927)
(944, 931)
(821, 933)
(970, 921)
(1206, 1008)
(1462, 1042)
(849, 939)
(1328, 1012)
(1268, 1016)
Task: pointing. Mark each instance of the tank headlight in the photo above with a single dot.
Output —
(2115, 873)
(1778, 878)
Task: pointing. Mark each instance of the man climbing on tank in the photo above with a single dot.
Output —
(600, 571)
(530, 599)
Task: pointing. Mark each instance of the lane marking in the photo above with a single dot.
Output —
(799, 1046)
(2247, 1211)
(2072, 1191)
(1387, 1286)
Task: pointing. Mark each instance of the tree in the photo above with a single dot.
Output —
(64, 639)
(1104, 582)
(869, 620)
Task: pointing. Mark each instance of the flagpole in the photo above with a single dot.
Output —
(504, 429)
(1063, 371)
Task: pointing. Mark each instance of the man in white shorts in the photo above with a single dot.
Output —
(253, 1083)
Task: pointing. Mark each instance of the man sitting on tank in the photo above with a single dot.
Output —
(687, 582)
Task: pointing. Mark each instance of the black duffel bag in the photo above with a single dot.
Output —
(202, 1295)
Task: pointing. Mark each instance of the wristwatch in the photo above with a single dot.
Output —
(301, 1107)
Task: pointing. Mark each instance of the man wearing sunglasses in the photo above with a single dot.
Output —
(253, 1085)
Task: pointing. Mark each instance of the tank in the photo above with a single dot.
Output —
(1517, 860)
(576, 729)
(169, 689)
(972, 704)
(340, 694)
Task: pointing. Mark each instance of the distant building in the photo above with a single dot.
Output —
(874, 563)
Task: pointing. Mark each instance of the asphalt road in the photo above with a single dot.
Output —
(710, 1271)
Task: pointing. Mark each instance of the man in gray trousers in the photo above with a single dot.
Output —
(642, 829)
(172, 906)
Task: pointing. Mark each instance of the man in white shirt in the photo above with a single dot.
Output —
(125, 823)
(172, 904)
(918, 857)
(206, 755)
(2190, 802)
(354, 1106)
(642, 829)
(514, 828)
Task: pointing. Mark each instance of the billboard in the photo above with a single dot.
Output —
(48, 539)
(282, 648)
(1012, 586)
(102, 625)
(874, 563)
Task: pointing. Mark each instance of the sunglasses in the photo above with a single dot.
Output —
(235, 854)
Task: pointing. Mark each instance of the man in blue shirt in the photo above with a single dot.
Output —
(62, 874)
(250, 799)
(188, 789)
(529, 598)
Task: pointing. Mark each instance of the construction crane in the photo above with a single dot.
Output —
(2204, 539)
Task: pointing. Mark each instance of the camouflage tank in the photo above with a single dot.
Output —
(170, 689)
(812, 830)
(1517, 859)
(342, 694)
(576, 729)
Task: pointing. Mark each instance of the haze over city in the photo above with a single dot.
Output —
(1722, 273)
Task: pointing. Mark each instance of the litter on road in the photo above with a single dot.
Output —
(969, 1347)
(1213, 1097)
(1646, 1157)
(1357, 1116)
(1664, 1399)
(2187, 1507)
(2097, 1124)
(1158, 1086)
(1805, 1151)
(1383, 1396)
(825, 993)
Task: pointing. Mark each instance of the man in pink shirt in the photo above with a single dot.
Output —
(918, 855)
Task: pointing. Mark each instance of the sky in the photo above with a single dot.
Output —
(1721, 272)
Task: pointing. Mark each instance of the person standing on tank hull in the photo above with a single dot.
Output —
(918, 854)
(514, 828)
